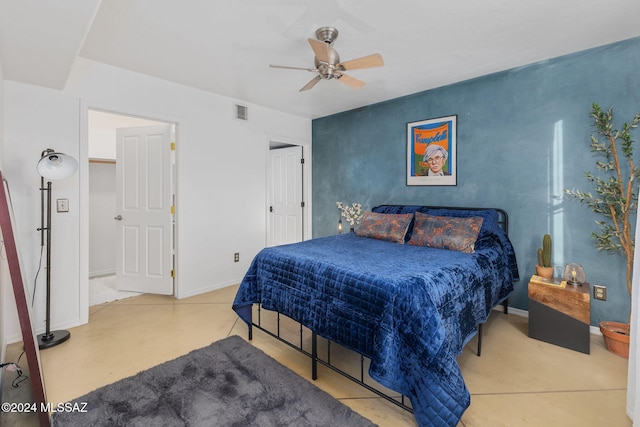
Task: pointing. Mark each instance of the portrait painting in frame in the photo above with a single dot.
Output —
(431, 151)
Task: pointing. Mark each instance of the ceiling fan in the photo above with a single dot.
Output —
(327, 61)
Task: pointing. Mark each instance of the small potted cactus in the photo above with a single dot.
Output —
(544, 268)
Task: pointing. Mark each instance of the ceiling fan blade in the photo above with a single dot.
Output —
(311, 84)
(292, 68)
(369, 61)
(320, 49)
(350, 81)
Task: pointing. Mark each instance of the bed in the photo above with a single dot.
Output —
(408, 303)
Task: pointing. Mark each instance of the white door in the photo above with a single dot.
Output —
(143, 210)
(285, 196)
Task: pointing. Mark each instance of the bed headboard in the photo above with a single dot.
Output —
(503, 217)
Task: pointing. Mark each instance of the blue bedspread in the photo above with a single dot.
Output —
(409, 309)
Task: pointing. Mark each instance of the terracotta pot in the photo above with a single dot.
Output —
(616, 338)
(546, 272)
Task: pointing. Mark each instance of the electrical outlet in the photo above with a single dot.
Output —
(236, 257)
(62, 205)
(600, 292)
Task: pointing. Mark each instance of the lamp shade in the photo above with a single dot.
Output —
(55, 166)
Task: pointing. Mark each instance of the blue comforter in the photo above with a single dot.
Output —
(409, 309)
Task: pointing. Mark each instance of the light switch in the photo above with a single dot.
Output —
(63, 205)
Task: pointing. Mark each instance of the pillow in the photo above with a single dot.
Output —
(391, 227)
(490, 223)
(398, 209)
(446, 232)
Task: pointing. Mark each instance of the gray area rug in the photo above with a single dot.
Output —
(229, 383)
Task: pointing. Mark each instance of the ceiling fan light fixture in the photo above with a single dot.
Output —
(327, 61)
(326, 71)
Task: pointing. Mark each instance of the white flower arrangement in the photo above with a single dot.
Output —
(353, 214)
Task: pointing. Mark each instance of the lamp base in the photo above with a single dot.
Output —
(52, 339)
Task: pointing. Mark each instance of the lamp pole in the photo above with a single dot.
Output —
(49, 338)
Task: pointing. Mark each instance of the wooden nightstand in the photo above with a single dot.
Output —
(560, 315)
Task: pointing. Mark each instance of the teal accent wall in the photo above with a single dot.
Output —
(523, 137)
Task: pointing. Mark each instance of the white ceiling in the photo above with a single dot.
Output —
(226, 46)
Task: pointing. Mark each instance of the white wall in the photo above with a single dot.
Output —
(1, 117)
(102, 132)
(221, 164)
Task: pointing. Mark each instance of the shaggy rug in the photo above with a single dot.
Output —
(228, 383)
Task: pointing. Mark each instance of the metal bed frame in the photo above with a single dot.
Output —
(400, 401)
(316, 359)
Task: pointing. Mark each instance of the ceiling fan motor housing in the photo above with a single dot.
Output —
(327, 69)
(327, 34)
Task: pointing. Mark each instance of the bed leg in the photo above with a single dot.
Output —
(314, 356)
(479, 339)
(505, 303)
(250, 332)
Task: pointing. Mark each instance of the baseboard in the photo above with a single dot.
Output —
(515, 311)
(595, 330)
(103, 273)
(209, 288)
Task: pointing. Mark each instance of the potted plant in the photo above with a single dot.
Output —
(544, 268)
(615, 200)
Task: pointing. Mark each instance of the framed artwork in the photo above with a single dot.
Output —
(431, 151)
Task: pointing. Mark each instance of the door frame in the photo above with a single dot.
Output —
(278, 142)
(83, 161)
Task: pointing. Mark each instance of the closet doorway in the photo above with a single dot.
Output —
(131, 198)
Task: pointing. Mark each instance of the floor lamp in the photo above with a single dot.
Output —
(52, 166)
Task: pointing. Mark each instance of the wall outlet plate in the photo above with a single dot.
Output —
(600, 292)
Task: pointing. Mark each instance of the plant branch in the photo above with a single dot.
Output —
(617, 195)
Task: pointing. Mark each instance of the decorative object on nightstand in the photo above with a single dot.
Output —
(616, 197)
(560, 314)
(544, 268)
(574, 274)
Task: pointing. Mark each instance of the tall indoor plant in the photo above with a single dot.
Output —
(616, 187)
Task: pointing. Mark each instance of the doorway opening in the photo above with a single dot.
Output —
(123, 152)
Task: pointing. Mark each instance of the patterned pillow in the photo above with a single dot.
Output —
(490, 218)
(390, 227)
(445, 232)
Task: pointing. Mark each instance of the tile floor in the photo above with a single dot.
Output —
(518, 381)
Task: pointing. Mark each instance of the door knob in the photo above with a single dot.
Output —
(118, 218)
